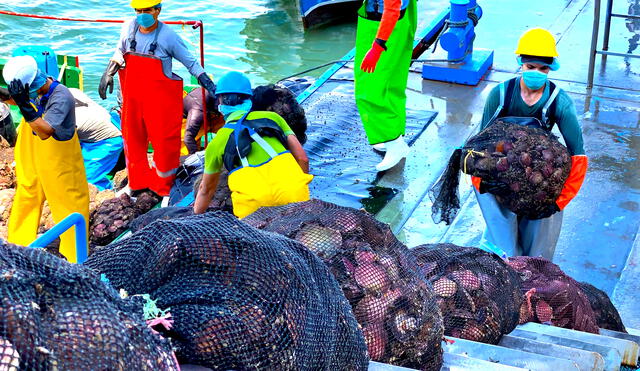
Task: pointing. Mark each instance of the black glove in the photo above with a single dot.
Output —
(494, 187)
(550, 210)
(20, 95)
(4, 94)
(107, 79)
(206, 83)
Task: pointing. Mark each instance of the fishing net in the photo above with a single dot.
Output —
(531, 161)
(478, 293)
(551, 296)
(61, 316)
(112, 217)
(607, 315)
(240, 298)
(163, 213)
(395, 306)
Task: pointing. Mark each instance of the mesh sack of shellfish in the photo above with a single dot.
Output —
(393, 303)
(551, 296)
(240, 298)
(607, 315)
(61, 316)
(531, 161)
(478, 293)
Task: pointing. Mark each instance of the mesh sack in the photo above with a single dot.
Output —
(240, 298)
(392, 302)
(607, 315)
(163, 213)
(478, 293)
(282, 101)
(61, 316)
(551, 296)
(531, 161)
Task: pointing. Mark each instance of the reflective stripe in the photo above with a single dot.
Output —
(166, 174)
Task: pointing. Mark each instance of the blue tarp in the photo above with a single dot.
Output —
(100, 158)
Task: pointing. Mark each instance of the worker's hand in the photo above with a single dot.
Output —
(20, 95)
(206, 83)
(495, 187)
(107, 79)
(372, 57)
(551, 209)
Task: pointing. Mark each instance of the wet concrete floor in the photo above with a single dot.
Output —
(601, 224)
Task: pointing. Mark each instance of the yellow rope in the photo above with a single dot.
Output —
(470, 152)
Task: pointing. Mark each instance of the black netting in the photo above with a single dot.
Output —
(282, 101)
(607, 315)
(392, 302)
(61, 316)
(478, 293)
(113, 217)
(551, 296)
(531, 161)
(240, 298)
(163, 213)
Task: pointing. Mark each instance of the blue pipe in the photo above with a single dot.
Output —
(461, 34)
(75, 219)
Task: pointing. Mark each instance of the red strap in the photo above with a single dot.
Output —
(476, 182)
(573, 183)
(390, 17)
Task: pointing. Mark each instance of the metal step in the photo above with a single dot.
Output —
(628, 349)
(621, 335)
(585, 360)
(507, 356)
(455, 362)
(612, 358)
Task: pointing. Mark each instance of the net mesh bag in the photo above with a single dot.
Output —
(478, 293)
(607, 315)
(531, 161)
(393, 303)
(240, 298)
(551, 296)
(61, 316)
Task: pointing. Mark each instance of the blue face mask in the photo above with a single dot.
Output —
(36, 84)
(227, 110)
(534, 79)
(145, 20)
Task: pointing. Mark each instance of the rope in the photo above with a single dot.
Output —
(470, 152)
(471, 13)
(5, 12)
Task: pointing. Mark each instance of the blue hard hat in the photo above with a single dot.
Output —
(234, 82)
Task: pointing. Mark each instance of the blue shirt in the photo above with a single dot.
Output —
(170, 46)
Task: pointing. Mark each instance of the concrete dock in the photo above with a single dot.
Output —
(599, 239)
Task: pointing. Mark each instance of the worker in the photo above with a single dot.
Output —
(384, 45)
(531, 95)
(193, 113)
(266, 163)
(100, 139)
(48, 158)
(151, 95)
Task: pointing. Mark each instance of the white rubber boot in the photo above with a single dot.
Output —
(397, 149)
(380, 147)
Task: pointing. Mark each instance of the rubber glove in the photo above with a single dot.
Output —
(206, 83)
(107, 79)
(494, 187)
(373, 56)
(20, 95)
(574, 182)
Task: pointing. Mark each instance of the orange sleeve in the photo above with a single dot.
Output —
(573, 183)
(476, 182)
(390, 17)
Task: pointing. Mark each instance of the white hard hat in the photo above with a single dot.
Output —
(22, 67)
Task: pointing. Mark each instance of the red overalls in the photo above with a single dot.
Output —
(151, 113)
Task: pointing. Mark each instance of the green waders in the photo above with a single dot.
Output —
(381, 96)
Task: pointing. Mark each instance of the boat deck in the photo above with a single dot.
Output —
(601, 225)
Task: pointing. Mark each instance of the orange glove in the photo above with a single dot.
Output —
(573, 183)
(371, 59)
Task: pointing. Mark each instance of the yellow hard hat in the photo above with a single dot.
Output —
(537, 42)
(143, 4)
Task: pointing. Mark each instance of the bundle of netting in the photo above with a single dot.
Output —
(478, 293)
(240, 298)
(61, 316)
(391, 300)
(607, 315)
(530, 161)
(551, 296)
(282, 101)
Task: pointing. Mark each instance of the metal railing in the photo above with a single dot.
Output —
(75, 219)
